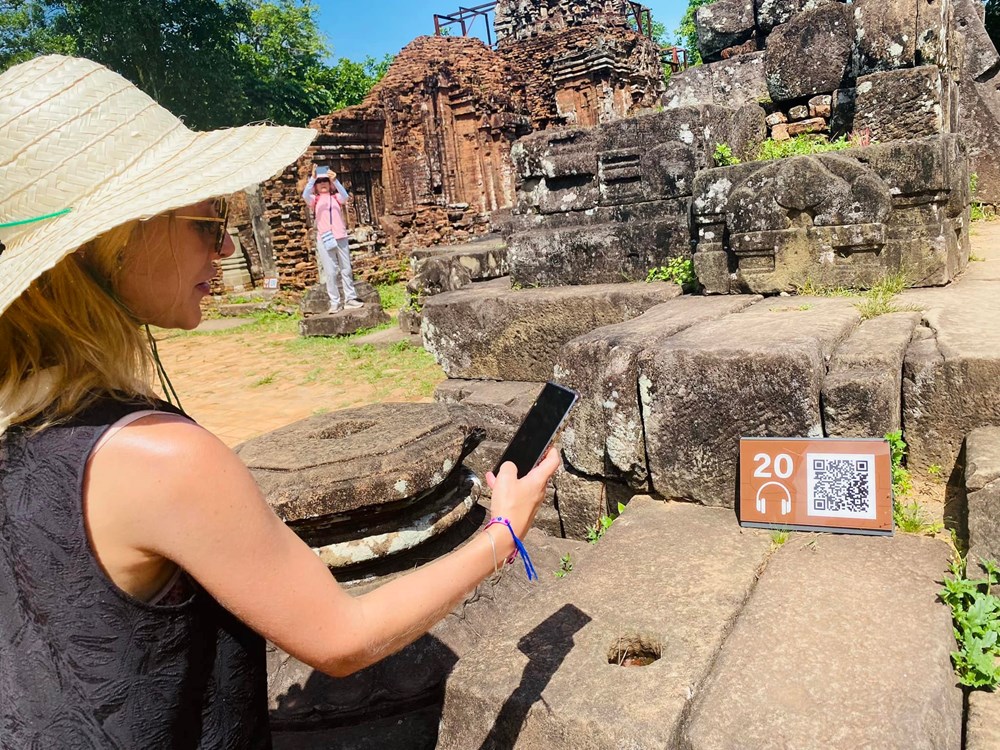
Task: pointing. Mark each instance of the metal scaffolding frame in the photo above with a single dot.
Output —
(466, 18)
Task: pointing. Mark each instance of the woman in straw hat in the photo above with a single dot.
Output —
(139, 564)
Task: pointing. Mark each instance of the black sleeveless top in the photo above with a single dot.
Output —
(82, 663)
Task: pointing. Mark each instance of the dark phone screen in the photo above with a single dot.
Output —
(538, 428)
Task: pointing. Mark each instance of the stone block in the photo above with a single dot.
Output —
(730, 83)
(895, 34)
(982, 483)
(902, 104)
(345, 322)
(776, 118)
(821, 106)
(842, 114)
(630, 241)
(811, 54)
(495, 407)
(409, 320)
(723, 24)
(494, 332)
(799, 112)
(582, 501)
(950, 373)
(982, 723)
(604, 433)
(885, 35)
(332, 465)
(979, 57)
(548, 675)
(812, 125)
(863, 387)
(771, 13)
(756, 374)
(840, 219)
(780, 132)
(316, 300)
(484, 258)
(797, 669)
(307, 706)
(980, 123)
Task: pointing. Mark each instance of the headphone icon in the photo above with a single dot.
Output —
(786, 501)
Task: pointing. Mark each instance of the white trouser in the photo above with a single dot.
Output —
(336, 259)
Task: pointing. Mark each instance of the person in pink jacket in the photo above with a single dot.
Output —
(327, 206)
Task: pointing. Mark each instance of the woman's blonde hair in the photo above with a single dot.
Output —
(68, 340)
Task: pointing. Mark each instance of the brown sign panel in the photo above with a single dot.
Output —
(816, 485)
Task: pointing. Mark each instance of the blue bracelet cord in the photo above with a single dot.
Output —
(529, 569)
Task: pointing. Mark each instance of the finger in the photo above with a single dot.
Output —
(548, 465)
(508, 471)
(491, 479)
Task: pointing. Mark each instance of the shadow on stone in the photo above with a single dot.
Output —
(546, 646)
(395, 703)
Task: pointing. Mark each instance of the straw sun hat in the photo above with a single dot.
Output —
(82, 151)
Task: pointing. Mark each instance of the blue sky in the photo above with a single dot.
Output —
(356, 28)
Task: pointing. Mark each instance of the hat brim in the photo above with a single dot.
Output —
(182, 169)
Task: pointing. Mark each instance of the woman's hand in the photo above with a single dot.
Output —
(516, 499)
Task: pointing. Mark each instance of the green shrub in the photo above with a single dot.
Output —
(678, 270)
(800, 145)
(975, 612)
(723, 155)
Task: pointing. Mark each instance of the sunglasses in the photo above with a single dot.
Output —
(221, 208)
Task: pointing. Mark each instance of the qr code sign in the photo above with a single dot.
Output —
(841, 485)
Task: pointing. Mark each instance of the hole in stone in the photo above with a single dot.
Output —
(634, 651)
(346, 428)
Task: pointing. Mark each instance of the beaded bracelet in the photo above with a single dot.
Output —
(529, 569)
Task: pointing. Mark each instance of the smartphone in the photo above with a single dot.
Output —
(538, 428)
(322, 171)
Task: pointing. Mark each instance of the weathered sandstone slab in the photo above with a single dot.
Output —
(838, 219)
(548, 675)
(903, 104)
(334, 465)
(843, 643)
(722, 24)
(730, 83)
(951, 371)
(604, 434)
(756, 374)
(811, 53)
(492, 331)
(370, 709)
(316, 301)
(982, 725)
(345, 322)
(982, 485)
(863, 388)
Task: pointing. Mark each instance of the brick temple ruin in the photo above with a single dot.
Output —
(552, 139)
(427, 154)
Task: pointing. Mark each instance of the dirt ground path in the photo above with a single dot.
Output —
(243, 382)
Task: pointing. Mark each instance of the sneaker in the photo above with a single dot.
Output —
(334, 309)
(354, 304)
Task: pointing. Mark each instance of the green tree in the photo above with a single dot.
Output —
(686, 35)
(215, 63)
(26, 31)
(280, 52)
(180, 52)
(349, 82)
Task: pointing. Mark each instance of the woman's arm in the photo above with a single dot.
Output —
(176, 491)
(308, 194)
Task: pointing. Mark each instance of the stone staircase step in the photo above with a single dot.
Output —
(667, 578)
(491, 331)
(843, 644)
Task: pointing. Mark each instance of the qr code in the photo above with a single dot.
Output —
(841, 485)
